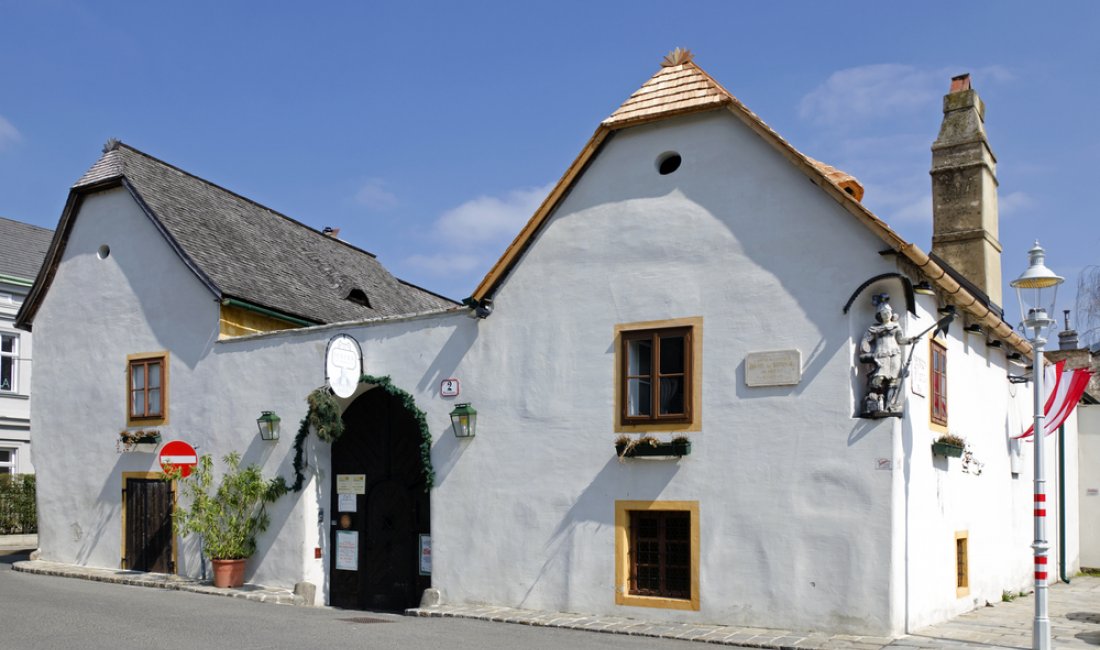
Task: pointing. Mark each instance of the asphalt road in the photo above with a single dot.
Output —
(47, 613)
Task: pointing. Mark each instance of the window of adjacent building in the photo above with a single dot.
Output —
(939, 383)
(962, 571)
(9, 355)
(657, 554)
(147, 387)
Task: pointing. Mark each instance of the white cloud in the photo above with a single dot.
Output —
(885, 91)
(8, 133)
(1014, 202)
(486, 219)
(374, 195)
(854, 95)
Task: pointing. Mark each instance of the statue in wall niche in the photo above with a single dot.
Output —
(881, 349)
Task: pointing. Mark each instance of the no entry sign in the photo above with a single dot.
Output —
(177, 454)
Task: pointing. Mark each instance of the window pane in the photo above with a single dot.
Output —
(7, 373)
(639, 397)
(672, 355)
(137, 377)
(154, 375)
(154, 401)
(7, 343)
(640, 357)
(137, 403)
(5, 455)
(672, 395)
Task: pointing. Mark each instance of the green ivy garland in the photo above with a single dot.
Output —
(324, 417)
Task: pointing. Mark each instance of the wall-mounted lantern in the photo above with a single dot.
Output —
(924, 288)
(268, 423)
(464, 421)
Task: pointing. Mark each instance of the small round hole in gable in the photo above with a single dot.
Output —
(668, 163)
(104, 252)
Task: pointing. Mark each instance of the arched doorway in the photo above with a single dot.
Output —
(383, 508)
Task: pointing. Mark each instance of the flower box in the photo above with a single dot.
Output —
(946, 449)
(139, 441)
(646, 448)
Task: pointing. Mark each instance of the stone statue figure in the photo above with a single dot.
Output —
(881, 349)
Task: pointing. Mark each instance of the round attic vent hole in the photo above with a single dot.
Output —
(668, 163)
(104, 252)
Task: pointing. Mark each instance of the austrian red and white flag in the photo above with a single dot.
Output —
(1063, 389)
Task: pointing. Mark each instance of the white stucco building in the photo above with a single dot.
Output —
(22, 249)
(682, 279)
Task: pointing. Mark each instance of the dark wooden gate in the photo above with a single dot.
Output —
(381, 441)
(148, 525)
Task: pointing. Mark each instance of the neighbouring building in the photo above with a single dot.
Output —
(692, 275)
(22, 249)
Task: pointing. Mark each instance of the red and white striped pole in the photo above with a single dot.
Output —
(1040, 638)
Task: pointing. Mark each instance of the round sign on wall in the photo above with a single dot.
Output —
(343, 365)
(177, 454)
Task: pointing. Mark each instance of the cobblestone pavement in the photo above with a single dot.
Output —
(1074, 614)
(159, 580)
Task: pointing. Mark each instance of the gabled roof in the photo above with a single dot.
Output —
(681, 87)
(240, 249)
(22, 249)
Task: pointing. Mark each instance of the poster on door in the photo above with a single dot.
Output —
(347, 550)
(425, 555)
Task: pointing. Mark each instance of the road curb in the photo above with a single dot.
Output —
(256, 593)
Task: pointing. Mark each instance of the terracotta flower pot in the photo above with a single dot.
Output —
(228, 573)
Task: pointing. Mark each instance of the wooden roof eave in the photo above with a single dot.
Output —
(522, 240)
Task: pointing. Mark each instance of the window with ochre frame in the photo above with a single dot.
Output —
(658, 373)
(657, 554)
(962, 564)
(147, 389)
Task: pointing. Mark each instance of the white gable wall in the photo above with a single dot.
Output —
(140, 298)
(795, 518)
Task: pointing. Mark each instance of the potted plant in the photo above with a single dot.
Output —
(648, 446)
(948, 444)
(146, 441)
(228, 517)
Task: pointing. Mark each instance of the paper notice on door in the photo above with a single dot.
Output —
(425, 555)
(347, 550)
(351, 483)
(345, 503)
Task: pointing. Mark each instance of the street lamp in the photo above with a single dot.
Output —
(1036, 289)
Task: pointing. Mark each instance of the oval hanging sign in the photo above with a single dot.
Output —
(343, 365)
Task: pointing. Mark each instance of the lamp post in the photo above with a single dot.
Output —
(1036, 289)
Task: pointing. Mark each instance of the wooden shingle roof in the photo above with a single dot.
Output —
(245, 251)
(22, 249)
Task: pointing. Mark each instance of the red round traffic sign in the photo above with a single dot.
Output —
(177, 454)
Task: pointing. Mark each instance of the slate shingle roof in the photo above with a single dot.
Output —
(246, 251)
(22, 248)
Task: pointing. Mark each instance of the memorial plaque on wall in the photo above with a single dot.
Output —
(773, 368)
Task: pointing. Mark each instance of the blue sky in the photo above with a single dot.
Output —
(429, 132)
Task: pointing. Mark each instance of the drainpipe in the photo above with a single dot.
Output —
(1062, 503)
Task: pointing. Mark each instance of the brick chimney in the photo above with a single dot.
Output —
(964, 191)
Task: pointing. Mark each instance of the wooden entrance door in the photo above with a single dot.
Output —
(148, 503)
(376, 542)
